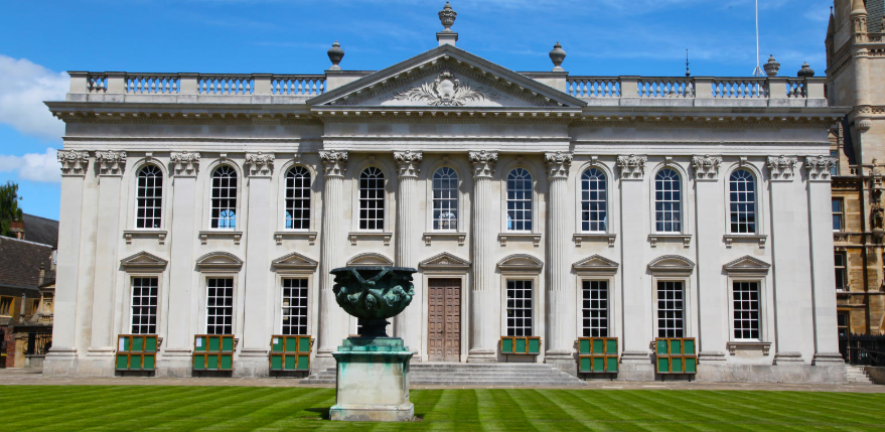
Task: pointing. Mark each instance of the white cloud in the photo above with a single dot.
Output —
(39, 167)
(24, 86)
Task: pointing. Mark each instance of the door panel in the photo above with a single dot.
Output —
(444, 341)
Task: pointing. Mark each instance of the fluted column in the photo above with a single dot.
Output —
(110, 165)
(407, 325)
(333, 320)
(561, 312)
(484, 323)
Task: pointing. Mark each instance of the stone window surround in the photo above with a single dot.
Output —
(501, 172)
(758, 274)
(143, 264)
(236, 234)
(528, 272)
(131, 177)
(353, 176)
(300, 272)
(606, 271)
(682, 273)
(760, 235)
(612, 211)
(684, 234)
(281, 234)
(464, 172)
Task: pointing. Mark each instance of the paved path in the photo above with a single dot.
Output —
(34, 377)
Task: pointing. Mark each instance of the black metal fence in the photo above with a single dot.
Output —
(864, 350)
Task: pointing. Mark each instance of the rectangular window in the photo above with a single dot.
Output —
(294, 306)
(746, 310)
(6, 306)
(519, 308)
(34, 306)
(219, 306)
(841, 271)
(835, 169)
(595, 308)
(144, 305)
(671, 310)
(838, 214)
(844, 323)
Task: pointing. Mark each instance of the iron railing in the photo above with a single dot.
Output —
(863, 350)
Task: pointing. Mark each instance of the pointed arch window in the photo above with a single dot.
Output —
(594, 205)
(519, 200)
(149, 196)
(298, 198)
(224, 198)
(742, 197)
(445, 200)
(372, 199)
(668, 201)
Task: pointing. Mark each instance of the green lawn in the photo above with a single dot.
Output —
(155, 408)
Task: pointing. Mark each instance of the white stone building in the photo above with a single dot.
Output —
(535, 203)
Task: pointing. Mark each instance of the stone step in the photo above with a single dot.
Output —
(858, 376)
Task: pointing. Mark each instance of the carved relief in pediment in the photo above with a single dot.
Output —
(747, 264)
(143, 261)
(444, 261)
(219, 261)
(294, 261)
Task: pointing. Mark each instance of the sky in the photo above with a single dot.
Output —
(41, 39)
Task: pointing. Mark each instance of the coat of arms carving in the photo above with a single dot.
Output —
(445, 91)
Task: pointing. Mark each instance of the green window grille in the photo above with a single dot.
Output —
(136, 353)
(598, 355)
(290, 353)
(213, 353)
(676, 356)
(518, 345)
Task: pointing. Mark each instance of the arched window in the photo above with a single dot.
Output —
(519, 200)
(224, 198)
(149, 196)
(372, 199)
(298, 198)
(445, 199)
(594, 207)
(742, 187)
(668, 201)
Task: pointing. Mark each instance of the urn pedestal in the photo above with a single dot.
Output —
(373, 381)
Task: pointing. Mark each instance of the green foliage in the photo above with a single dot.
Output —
(9, 211)
(190, 408)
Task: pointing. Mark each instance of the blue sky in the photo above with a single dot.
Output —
(40, 39)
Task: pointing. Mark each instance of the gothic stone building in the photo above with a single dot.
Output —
(537, 204)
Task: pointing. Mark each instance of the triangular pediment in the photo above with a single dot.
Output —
(219, 261)
(671, 264)
(294, 261)
(446, 77)
(596, 263)
(370, 259)
(747, 264)
(520, 263)
(444, 261)
(143, 260)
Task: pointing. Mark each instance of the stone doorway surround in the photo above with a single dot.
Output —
(450, 267)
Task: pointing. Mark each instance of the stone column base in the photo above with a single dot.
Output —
(782, 358)
(828, 359)
(60, 363)
(482, 356)
(252, 363)
(637, 366)
(373, 381)
(565, 361)
(175, 363)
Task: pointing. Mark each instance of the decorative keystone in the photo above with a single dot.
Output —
(447, 17)
(408, 162)
(557, 56)
(772, 67)
(336, 54)
(706, 167)
(260, 164)
(483, 163)
(632, 167)
(184, 163)
(334, 163)
(111, 162)
(73, 162)
(819, 167)
(558, 164)
(782, 167)
(806, 71)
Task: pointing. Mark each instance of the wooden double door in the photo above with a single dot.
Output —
(444, 340)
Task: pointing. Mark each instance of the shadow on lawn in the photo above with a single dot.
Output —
(324, 414)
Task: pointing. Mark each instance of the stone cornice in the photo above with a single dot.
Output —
(483, 163)
(260, 164)
(73, 162)
(706, 167)
(334, 163)
(185, 164)
(407, 163)
(110, 163)
(558, 164)
(782, 168)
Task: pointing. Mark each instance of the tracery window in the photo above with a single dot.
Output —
(668, 201)
(224, 198)
(149, 198)
(445, 200)
(742, 194)
(519, 200)
(594, 206)
(298, 198)
(372, 199)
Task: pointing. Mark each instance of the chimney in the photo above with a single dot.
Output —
(18, 227)
(42, 275)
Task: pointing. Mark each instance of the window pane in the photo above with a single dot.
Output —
(224, 198)
(144, 305)
(595, 308)
(670, 310)
(445, 200)
(668, 201)
(519, 200)
(149, 198)
(294, 313)
(519, 308)
(746, 310)
(219, 306)
(593, 201)
(372, 199)
(298, 198)
(743, 202)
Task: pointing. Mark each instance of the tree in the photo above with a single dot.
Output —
(9, 211)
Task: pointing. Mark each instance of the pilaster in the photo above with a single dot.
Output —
(484, 326)
(408, 235)
(335, 320)
(561, 312)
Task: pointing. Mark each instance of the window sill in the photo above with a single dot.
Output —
(145, 233)
(444, 235)
(733, 346)
(357, 235)
(311, 236)
(655, 238)
(235, 235)
(535, 237)
(581, 237)
(731, 238)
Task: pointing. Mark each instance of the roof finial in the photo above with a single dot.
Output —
(447, 17)
(558, 56)
(772, 67)
(336, 54)
(806, 71)
(687, 70)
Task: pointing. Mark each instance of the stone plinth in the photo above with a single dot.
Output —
(373, 381)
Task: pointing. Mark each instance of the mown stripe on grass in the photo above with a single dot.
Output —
(599, 402)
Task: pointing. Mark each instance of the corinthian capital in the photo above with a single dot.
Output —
(819, 167)
(73, 162)
(706, 167)
(632, 167)
(558, 164)
(111, 163)
(483, 163)
(782, 167)
(334, 163)
(185, 164)
(260, 164)
(407, 163)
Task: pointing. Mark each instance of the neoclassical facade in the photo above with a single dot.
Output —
(533, 204)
